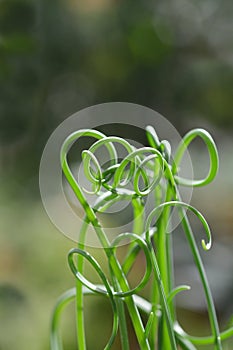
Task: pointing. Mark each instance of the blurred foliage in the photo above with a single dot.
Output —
(60, 56)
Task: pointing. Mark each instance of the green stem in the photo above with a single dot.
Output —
(115, 266)
(80, 330)
(170, 342)
(154, 295)
(121, 316)
(139, 215)
(133, 311)
(163, 241)
(205, 283)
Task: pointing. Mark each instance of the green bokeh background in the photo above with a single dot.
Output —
(60, 56)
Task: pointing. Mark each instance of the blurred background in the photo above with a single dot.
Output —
(60, 56)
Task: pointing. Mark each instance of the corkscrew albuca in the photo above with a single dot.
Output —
(143, 171)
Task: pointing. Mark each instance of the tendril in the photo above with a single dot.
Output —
(142, 245)
(113, 160)
(133, 158)
(107, 291)
(133, 168)
(206, 246)
(213, 156)
(94, 178)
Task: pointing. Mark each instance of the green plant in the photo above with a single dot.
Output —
(147, 170)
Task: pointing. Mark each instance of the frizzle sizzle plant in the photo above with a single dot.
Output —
(143, 171)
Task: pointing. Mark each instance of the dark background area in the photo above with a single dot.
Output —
(58, 57)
